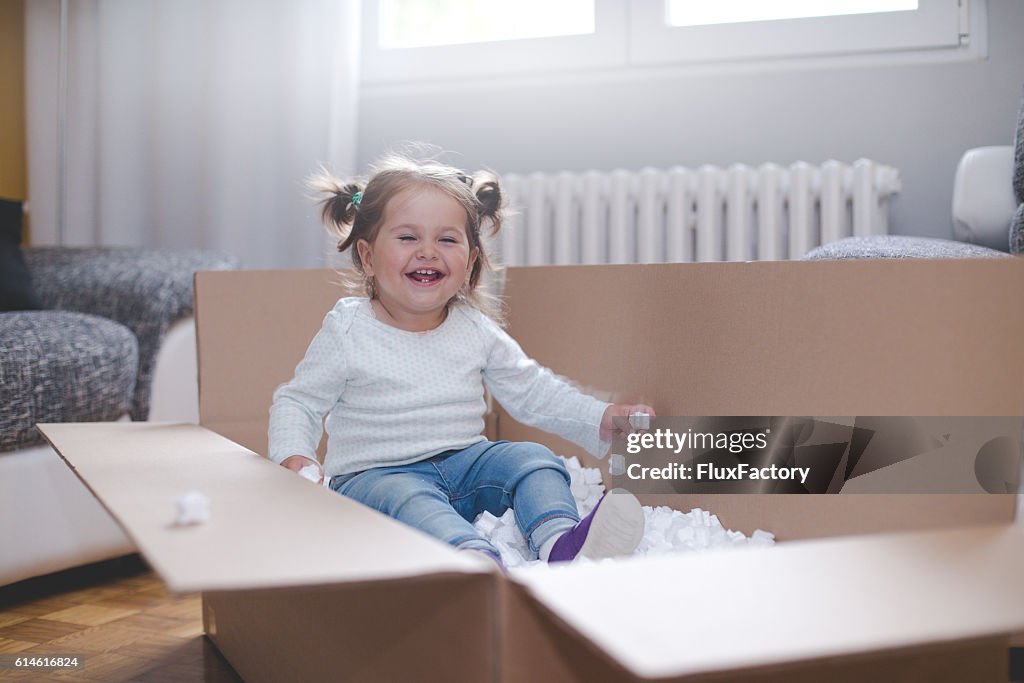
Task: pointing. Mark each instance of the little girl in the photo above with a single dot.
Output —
(401, 373)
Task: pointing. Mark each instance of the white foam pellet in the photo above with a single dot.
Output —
(640, 420)
(193, 508)
(311, 472)
(617, 464)
(486, 523)
(667, 530)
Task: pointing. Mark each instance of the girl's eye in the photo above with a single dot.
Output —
(406, 238)
(450, 240)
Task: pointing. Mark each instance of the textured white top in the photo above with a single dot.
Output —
(393, 397)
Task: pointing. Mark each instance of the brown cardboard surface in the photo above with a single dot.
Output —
(786, 338)
(801, 601)
(794, 517)
(253, 328)
(427, 629)
(558, 652)
(287, 564)
(782, 338)
(267, 527)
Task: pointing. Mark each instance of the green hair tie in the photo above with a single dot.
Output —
(356, 198)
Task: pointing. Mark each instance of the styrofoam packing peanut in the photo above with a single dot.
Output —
(640, 420)
(311, 472)
(486, 522)
(193, 508)
(667, 530)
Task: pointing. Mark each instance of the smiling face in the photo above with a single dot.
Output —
(419, 258)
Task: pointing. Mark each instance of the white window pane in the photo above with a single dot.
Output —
(933, 25)
(423, 23)
(705, 12)
(590, 34)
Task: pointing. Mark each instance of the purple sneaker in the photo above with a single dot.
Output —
(612, 529)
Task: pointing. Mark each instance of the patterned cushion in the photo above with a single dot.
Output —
(144, 289)
(61, 367)
(1017, 224)
(900, 247)
(1017, 231)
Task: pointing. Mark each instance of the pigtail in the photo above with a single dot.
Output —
(487, 189)
(483, 283)
(339, 204)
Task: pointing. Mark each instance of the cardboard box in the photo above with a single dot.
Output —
(301, 584)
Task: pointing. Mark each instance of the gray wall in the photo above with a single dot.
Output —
(918, 117)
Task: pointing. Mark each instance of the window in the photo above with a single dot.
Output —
(425, 23)
(690, 13)
(933, 24)
(597, 38)
(414, 40)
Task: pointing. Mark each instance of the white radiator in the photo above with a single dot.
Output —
(677, 215)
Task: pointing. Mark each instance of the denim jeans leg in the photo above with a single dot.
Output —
(416, 495)
(528, 477)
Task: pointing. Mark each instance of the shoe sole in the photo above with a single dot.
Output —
(617, 527)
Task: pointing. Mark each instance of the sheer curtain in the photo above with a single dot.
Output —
(191, 123)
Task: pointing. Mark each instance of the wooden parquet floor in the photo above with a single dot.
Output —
(118, 617)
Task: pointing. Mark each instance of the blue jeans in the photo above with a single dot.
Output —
(442, 495)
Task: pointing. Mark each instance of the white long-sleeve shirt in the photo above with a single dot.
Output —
(393, 397)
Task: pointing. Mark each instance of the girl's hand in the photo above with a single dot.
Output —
(609, 430)
(297, 462)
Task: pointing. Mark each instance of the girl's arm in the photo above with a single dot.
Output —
(535, 396)
(297, 413)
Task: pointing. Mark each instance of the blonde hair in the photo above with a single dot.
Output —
(354, 210)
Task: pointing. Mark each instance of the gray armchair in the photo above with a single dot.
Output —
(90, 354)
(114, 326)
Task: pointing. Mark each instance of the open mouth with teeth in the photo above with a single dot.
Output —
(425, 276)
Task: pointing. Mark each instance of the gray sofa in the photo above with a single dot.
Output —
(988, 210)
(113, 340)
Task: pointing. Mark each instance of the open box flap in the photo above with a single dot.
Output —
(267, 527)
(749, 608)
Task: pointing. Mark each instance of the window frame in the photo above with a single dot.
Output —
(604, 48)
(633, 34)
(935, 24)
